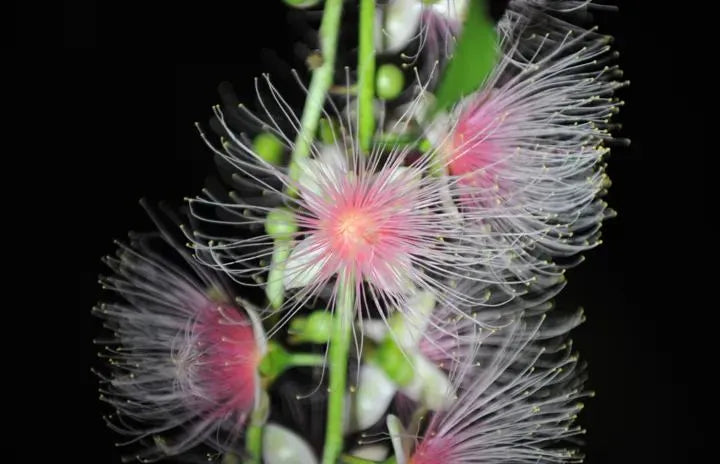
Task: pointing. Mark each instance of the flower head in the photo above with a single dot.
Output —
(184, 354)
(360, 222)
(516, 402)
(382, 219)
(528, 147)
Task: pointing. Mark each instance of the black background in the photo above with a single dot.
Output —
(128, 113)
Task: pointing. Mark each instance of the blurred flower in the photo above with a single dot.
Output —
(519, 406)
(432, 343)
(184, 353)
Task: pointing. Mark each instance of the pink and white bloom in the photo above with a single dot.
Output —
(520, 198)
(381, 219)
(518, 407)
(528, 147)
(184, 354)
(437, 343)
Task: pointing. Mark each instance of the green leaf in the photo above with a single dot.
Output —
(474, 57)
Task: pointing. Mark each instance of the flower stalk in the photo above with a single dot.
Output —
(339, 347)
(366, 75)
(322, 79)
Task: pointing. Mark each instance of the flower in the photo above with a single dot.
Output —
(184, 353)
(528, 147)
(380, 219)
(434, 342)
(515, 402)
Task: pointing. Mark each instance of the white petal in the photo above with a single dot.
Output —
(377, 30)
(303, 265)
(283, 446)
(429, 386)
(316, 173)
(370, 452)
(374, 393)
(258, 330)
(440, 130)
(397, 432)
(452, 10)
(415, 319)
(374, 329)
(402, 18)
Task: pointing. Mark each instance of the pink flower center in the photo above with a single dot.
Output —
(229, 357)
(353, 233)
(472, 153)
(367, 226)
(432, 451)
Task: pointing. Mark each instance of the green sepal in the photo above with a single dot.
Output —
(275, 286)
(390, 357)
(280, 224)
(275, 362)
(314, 328)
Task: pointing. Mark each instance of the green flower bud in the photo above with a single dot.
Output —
(274, 286)
(312, 329)
(389, 81)
(280, 224)
(425, 145)
(269, 147)
(393, 361)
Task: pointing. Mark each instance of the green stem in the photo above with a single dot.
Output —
(306, 360)
(253, 444)
(275, 287)
(254, 433)
(339, 347)
(366, 74)
(320, 83)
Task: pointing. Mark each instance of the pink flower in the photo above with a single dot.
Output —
(362, 223)
(515, 402)
(381, 218)
(185, 355)
(473, 154)
(528, 147)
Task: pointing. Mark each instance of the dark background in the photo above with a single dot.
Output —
(79, 21)
(130, 109)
